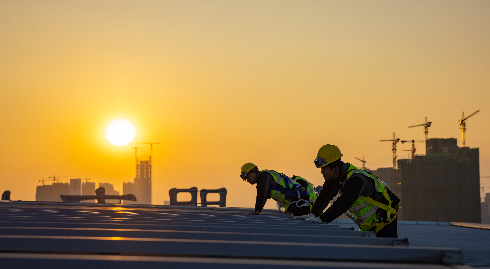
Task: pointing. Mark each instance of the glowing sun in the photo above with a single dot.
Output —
(120, 132)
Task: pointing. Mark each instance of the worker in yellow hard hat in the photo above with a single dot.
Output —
(296, 194)
(364, 197)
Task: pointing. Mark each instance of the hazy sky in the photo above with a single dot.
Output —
(221, 83)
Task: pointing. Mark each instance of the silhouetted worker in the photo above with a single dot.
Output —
(364, 197)
(296, 194)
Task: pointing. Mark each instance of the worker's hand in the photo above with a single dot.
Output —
(254, 212)
(315, 219)
(305, 217)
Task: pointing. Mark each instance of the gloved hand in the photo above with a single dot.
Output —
(315, 219)
(305, 217)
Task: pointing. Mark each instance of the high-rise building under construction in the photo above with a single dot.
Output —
(142, 182)
(443, 185)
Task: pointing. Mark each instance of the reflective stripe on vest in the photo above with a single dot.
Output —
(281, 198)
(282, 180)
(363, 211)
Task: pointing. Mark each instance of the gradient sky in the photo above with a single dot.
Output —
(221, 83)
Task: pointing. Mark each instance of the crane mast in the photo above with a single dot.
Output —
(413, 146)
(462, 122)
(394, 141)
(426, 128)
(363, 162)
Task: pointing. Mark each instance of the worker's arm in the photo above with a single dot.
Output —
(328, 192)
(262, 186)
(349, 195)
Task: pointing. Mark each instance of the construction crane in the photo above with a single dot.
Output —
(136, 153)
(426, 128)
(42, 180)
(394, 141)
(151, 162)
(482, 187)
(54, 178)
(462, 122)
(363, 162)
(413, 146)
(86, 179)
(151, 150)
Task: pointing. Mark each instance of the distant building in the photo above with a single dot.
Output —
(142, 182)
(109, 190)
(51, 193)
(75, 186)
(442, 186)
(88, 188)
(485, 209)
(128, 188)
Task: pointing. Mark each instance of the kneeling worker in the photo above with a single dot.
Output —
(296, 194)
(363, 195)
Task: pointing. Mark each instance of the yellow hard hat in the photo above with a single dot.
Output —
(327, 154)
(247, 168)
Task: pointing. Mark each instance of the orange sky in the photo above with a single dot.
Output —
(221, 83)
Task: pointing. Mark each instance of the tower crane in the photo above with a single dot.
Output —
(136, 152)
(426, 127)
(363, 162)
(151, 147)
(151, 161)
(42, 180)
(394, 141)
(462, 122)
(482, 187)
(413, 146)
(54, 178)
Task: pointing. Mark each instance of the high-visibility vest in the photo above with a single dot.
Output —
(286, 183)
(363, 211)
(310, 189)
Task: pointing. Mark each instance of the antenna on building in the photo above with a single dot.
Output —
(462, 122)
(394, 141)
(363, 162)
(426, 128)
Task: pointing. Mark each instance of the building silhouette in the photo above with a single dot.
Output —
(142, 182)
(88, 188)
(485, 209)
(51, 193)
(75, 186)
(443, 185)
(128, 188)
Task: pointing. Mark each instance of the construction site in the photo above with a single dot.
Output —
(423, 182)
(438, 223)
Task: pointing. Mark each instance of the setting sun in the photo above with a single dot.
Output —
(120, 132)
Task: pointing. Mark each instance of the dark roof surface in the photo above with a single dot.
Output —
(36, 235)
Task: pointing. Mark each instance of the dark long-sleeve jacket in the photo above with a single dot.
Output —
(265, 183)
(357, 185)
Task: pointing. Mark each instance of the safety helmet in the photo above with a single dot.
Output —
(247, 168)
(327, 154)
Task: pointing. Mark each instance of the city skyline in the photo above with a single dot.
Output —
(219, 84)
